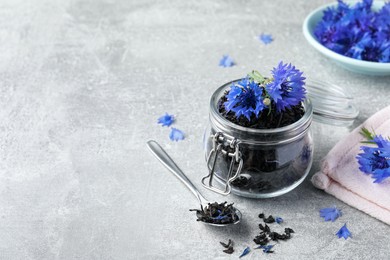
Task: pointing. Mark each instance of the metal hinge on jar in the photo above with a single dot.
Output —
(220, 142)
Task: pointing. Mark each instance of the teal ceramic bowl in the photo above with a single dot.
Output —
(359, 66)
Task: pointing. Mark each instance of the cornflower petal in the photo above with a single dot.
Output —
(245, 252)
(176, 134)
(330, 214)
(226, 61)
(344, 232)
(166, 120)
(279, 220)
(266, 38)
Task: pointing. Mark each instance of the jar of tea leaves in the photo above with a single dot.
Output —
(258, 142)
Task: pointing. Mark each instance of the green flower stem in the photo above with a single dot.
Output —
(368, 135)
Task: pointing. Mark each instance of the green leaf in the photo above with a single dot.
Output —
(256, 76)
(367, 142)
(367, 134)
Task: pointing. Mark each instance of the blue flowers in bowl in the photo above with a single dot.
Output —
(356, 35)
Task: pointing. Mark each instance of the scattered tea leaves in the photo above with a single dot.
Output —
(261, 239)
(288, 231)
(269, 220)
(266, 235)
(229, 251)
(265, 228)
(229, 247)
(230, 242)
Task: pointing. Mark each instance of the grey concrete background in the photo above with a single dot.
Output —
(82, 85)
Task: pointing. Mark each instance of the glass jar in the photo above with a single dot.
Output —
(256, 163)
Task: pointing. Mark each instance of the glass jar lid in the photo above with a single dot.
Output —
(331, 103)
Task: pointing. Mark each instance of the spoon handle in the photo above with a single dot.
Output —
(167, 161)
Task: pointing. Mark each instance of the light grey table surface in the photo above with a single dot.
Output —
(82, 85)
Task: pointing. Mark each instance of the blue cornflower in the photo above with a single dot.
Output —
(358, 49)
(344, 232)
(330, 214)
(382, 21)
(332, 37)
(376, 160)
(377, 51)
(166, 120)
(176, 134)
(245, 98)
(356, 31)
(367, 48)
(286, 89)
(266, 38)
(226, 61)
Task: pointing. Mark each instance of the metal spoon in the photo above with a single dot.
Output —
(164, 158)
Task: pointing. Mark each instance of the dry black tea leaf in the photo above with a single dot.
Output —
(261, 239)
(288, 230)
(230, 250)
(269, 220)
(229, 247)
(230, 243)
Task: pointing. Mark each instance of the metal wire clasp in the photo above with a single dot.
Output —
(219, 144)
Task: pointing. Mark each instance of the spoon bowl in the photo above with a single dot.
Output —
(167, 161)
(236, 211)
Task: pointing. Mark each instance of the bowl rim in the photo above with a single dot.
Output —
(332, 54)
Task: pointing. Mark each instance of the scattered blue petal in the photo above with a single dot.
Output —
(287, 88)
(266, 38)
(176, 134)
(330, 214)
(266, 248)
(375, 161)
(245, 252)
(279, 220)
(166, 120)
(245, 99)
(344, 232)
(226, 61)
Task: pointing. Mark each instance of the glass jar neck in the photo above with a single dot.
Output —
(248, 135)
